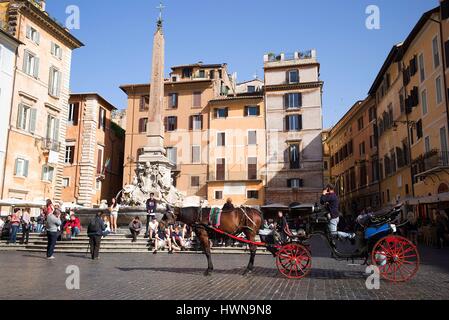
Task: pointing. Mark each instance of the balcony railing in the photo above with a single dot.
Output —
(298, 55)
(50, 145)
(436, 160)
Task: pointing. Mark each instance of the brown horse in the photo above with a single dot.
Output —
(236, 221)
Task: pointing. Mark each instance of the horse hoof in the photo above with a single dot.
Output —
(207, 273)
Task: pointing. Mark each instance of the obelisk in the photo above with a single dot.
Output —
(155, 152)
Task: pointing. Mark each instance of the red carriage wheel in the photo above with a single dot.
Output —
(294, 261)
(396, 257)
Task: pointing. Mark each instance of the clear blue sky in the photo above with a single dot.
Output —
(118, 38)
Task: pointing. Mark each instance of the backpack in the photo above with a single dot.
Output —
(94, 226)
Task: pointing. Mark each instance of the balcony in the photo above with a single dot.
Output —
(50, 145)
(432, 163)
(294, 56)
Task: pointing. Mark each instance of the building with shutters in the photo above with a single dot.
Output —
(188, 92)
(33, 171)
(293, 92)
(353, 164)
(237, 150)
(94, 147)
(8, 52)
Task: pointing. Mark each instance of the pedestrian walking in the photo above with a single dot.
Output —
(53, 228)
(95, 233)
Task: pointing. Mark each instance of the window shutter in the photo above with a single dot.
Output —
(56, 131)
(58, 83)
(202, 124)
(28, 32)
(166, 124)
(289, 183)
(226, 112)
(16, 167)
(299, 99)
(245, 114)
(287, 124)
(33, 115)
(50, 82)
(25, 61)
(258, 110)
(76, 110)
(36, 67)
(38, 37)
(25, 169)
(140, 125)
(446, 48)
(53, 48)
(191, 123)
(286, 101)
(300, 122)
(20, 117)
(176, 123)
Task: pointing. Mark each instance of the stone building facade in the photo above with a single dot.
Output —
(40, 102)
(293, 99)
(93, 164)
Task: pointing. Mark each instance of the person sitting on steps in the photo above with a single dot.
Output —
(330, 200)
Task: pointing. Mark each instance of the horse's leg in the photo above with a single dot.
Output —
(204, 239)
(253, 249)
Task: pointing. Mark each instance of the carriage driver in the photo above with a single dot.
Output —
(330, 200)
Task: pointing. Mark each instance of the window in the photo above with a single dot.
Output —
(294, 156)
(295, 183)
(221, 139)
(171, 123)
(360, 123)
(100, 160)
(251, 89)
(424, 101)
(54, 83)
(436, 52)
(419, 132)
(33, 35)
(65, 182)
(143, 122)
(438, 90)
(293, 122)
(427, 144)
(212, 74)
(21, 167)
(422, 73)
(98, 185)
(31, 64)
(196, 122)
(197, 99)
(26, 118)
(69, 154)
(362, 149)
(195, 181)
(220, 174)
(202, 73)
(47, 173)
(73, 113)
(172, 155)
(56, 50)
(196, 154)
(53, 132)
(252, 168)
(252, 111)
(372, 114)
(173, 100)
(218, 195)
(252, 194)
(187, 72)
(252, 137)
(293, 100)
(144, 104)
(293, 76)
(102, 119)
(221, 113)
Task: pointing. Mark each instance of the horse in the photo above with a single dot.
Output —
(235, 221)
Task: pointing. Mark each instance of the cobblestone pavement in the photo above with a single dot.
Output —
(145, 276)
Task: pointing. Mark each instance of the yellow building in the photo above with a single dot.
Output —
(37, 126)
(237, 151)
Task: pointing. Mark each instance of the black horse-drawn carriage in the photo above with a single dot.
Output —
(396, 257)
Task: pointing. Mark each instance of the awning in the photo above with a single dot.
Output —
(428, 199)
(22, 203)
